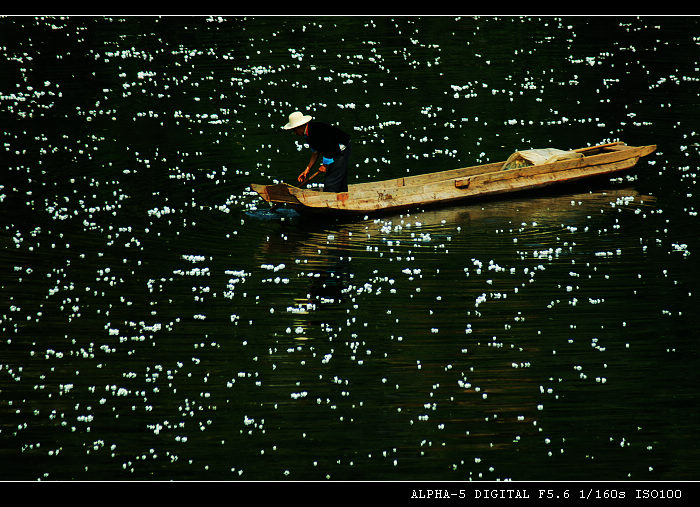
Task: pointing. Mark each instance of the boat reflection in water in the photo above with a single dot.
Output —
(419, 343)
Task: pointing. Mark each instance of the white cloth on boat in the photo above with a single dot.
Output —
(526, 158)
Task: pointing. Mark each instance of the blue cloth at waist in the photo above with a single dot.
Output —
(328, 160)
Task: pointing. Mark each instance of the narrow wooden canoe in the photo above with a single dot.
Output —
(456, 184)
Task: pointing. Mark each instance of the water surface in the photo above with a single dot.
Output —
(159, 322)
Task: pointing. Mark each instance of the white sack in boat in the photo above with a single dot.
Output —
(538, 157)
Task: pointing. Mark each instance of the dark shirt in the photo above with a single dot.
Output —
(326, 138)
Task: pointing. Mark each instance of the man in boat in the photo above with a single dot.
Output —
(328, 143)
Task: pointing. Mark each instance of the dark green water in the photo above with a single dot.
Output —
(159, 323)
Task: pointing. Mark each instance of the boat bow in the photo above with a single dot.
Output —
(280, 193)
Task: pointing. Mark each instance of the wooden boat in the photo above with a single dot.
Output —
(458, 184)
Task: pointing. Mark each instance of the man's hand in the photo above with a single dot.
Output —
(302, 177)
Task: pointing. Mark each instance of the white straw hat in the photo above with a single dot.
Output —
(296, 119)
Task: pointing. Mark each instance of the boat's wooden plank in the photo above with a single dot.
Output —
(381, 193)
(422, 179)
(607, 157)
(276, 193)
(432, 193)
(483, 187)
(599, 147)
(450, 174)
(436, 192)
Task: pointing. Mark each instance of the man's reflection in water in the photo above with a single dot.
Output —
(324, 260)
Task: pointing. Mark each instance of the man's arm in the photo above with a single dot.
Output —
(305, 173)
